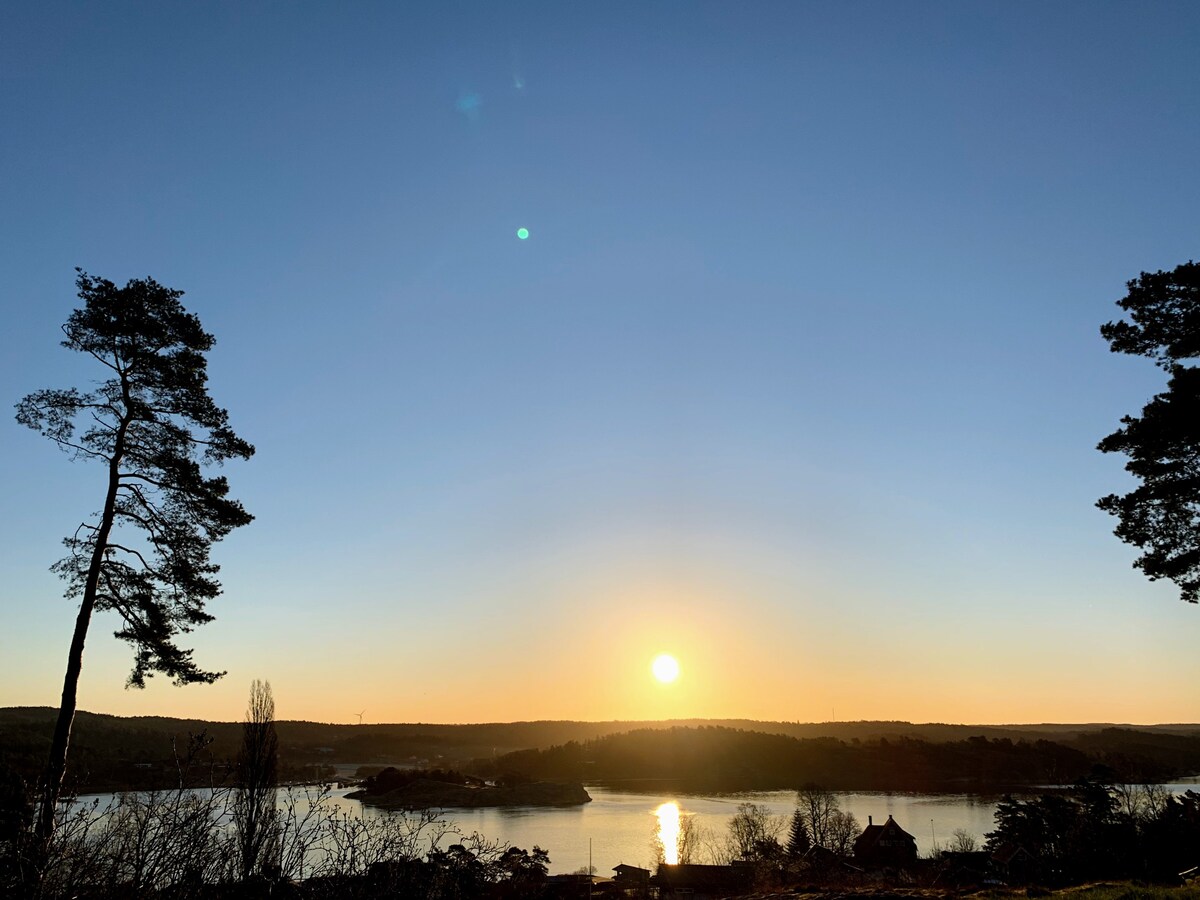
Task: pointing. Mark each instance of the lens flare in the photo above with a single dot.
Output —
(523, 233)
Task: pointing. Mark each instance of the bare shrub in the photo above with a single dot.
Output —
(963, 842)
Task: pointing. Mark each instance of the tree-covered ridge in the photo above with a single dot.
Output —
(714, 755)
(108, 750)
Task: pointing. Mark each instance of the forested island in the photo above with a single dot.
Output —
(428, 789)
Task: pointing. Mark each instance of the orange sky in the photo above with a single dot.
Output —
(816, 663)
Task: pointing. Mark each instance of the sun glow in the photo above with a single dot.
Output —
(668, 829)
(665, 668)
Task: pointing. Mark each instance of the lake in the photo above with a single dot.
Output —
(621, 825)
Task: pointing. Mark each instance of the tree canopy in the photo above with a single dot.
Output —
(1162, 515)
(152, 426)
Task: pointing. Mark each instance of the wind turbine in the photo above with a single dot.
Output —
(360, 716)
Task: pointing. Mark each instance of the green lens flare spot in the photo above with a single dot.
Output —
(523, 233)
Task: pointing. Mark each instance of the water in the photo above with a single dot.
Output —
(621, 825)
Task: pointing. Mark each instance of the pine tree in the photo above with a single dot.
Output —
(151, 425)
(798, 840)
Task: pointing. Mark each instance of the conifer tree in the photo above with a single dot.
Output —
(798, 841)
(1162, 515)
(152, 427)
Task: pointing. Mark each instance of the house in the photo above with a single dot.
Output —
(964, 868)
(885, 845)
(821, 859)
(698, 882)
(1015, 864)
(633, 881)
(631, 876)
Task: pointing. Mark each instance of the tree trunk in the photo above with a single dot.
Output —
(56, 766)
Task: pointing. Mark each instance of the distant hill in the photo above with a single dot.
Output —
(111, 750)
(717, 758)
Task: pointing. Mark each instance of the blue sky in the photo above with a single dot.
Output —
(798, 375)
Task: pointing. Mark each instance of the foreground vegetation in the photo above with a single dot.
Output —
(1125, 890)
(196, 842)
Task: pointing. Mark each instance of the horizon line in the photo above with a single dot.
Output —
(835, 722)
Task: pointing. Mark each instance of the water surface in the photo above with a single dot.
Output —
(620, 826)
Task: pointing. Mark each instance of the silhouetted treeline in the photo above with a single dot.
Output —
(110, 752)
(391, 778)
(725, 757)
(1092, 831)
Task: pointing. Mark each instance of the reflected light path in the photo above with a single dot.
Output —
(668, 831)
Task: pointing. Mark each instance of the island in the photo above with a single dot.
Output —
(424, 789)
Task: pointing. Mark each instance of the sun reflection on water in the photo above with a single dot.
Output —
(668, 831)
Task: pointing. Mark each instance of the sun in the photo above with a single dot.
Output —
(665, 668)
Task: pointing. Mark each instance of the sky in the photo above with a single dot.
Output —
(797, 375)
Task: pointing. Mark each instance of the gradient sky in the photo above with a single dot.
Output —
(798, 375)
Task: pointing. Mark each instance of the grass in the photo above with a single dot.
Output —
(1105, 890)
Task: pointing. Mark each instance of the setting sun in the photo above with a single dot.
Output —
(665, 668)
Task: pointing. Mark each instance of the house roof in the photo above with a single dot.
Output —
(1007, 853)
(631, 874)
(873, 834)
